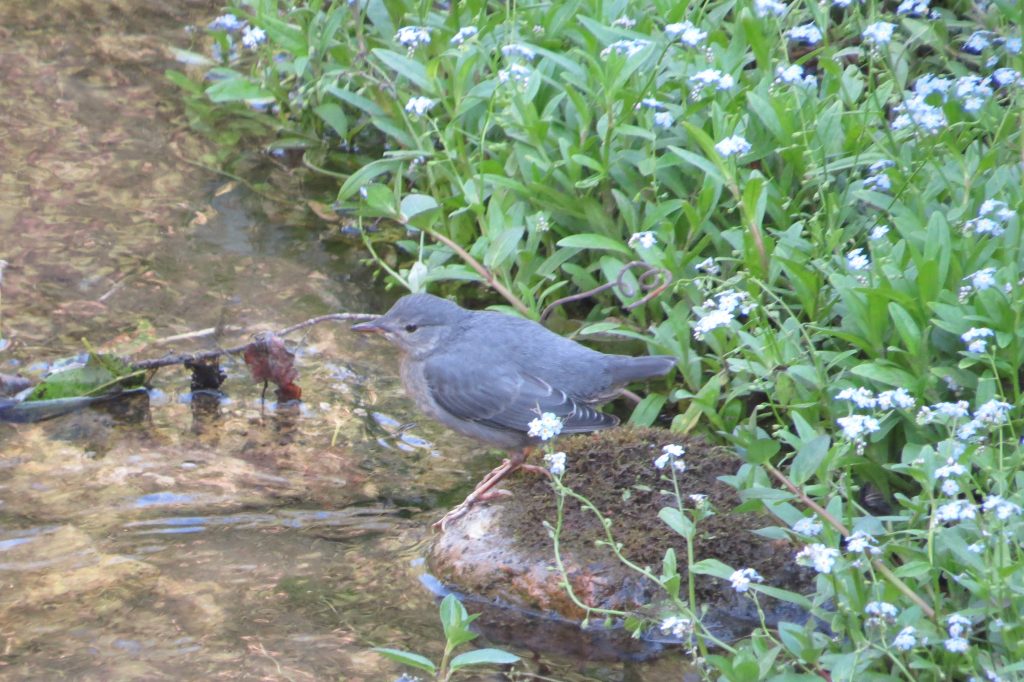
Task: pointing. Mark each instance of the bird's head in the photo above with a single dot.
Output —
(417, 323)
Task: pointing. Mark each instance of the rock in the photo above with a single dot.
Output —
(501, 551)
(63, 567)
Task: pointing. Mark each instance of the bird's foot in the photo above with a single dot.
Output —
(485, 489)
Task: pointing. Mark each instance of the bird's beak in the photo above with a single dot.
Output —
(373, 326)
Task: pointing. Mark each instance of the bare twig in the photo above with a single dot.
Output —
(653, 281)
(886, 572)
(182, 358)
(489, 277)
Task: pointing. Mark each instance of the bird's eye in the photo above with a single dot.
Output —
(411, 328)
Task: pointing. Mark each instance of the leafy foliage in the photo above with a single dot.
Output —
(834, 192)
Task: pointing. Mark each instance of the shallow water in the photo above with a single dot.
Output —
(173, 536)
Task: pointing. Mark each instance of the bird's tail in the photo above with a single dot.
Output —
(625, 369)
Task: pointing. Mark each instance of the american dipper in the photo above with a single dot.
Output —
(487, 375)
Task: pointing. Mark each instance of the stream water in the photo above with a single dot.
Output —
(176, 537)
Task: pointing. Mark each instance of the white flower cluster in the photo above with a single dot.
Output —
(465, 34)
(253, 36)
(959, 627)
(880, 179)
(857, 260)
(881, 612)
(857, 427)
(732, 146)
(923, 109)
(763, 8)
(906, 639)
(677, 626)
(687, 33)
(991, 220)
(418, 106)
(546, 427)
(710, 78)
(643, 240)
(808, 526)
(794, 75)
(913, 8)
(822, 558)
(720, 310)
(555, 462)
(990, 415)
(863, 398)
(625, 47)
(975, 338)
(518, 51)
(517, 74)
(879, 33)
(742, 578)
(860, 541)
(413, 37)
(671, 454)
(807, 34)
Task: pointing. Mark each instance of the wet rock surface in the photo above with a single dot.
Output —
(501, 551)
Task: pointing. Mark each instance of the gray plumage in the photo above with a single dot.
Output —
(487, 375)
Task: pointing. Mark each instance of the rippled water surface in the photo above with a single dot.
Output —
(172, 536)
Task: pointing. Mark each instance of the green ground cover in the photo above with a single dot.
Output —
(815, 207)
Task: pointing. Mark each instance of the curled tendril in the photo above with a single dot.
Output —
(653, 281)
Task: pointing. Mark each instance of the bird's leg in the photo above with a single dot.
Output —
(485, 488)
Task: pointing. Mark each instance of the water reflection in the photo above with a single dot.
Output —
(194, 532)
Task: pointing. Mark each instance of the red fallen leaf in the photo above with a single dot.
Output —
(269, 360)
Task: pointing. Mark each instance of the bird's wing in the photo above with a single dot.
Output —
(504, 398)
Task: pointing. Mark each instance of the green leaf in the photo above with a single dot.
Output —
(809, 458)
(709, 168)
(712, 567)
(236, 90)
(334, 116)
(647, 411)
(366, 174)
(590, 240)
(414, 204)
(677, 521)
(406, 68)
(407, 658)
(101, 374)
(483, 657)
(761, 450)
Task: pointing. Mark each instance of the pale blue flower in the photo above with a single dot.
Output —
(253, 36)
(555, 462)
(546, 427)
(822, 558)
(644, 240)
(794, 75)
(733, 145)
(808, 34)
(742, 578)
(913, 8)
(518, 51)
(879, 33)
(905, 640)
(664, 119)
(516, 74)
(858, 260)
(412, 37)
(978, 42)
(465, 33)
(626, 47)
(418, 106)
(687, 33)
(809, 526)
(763, 8)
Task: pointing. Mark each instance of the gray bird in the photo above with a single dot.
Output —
(487, 375)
